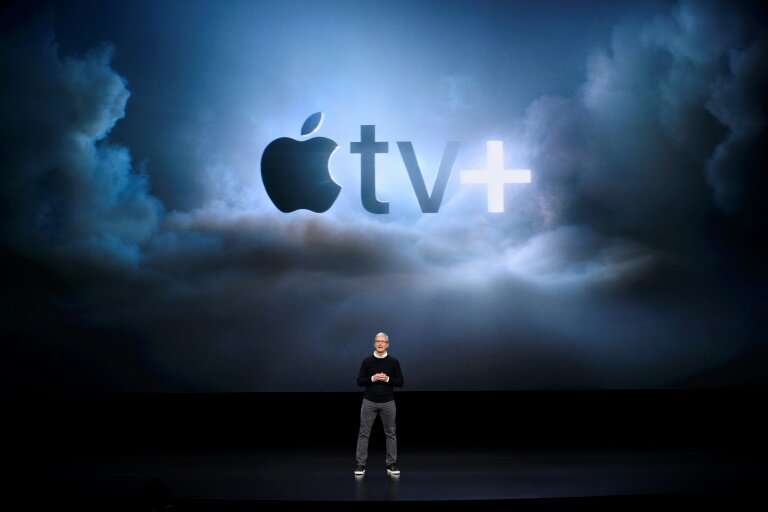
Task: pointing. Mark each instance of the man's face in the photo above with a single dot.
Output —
(381, 343)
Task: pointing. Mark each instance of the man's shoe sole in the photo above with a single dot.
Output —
(393, 472)
(359, 472)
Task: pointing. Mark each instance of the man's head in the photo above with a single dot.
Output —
(381, 342)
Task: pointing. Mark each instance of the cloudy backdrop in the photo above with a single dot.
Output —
(142, 253)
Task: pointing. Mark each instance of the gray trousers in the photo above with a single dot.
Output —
(368, 412)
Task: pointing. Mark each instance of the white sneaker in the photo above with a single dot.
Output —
(392, 469)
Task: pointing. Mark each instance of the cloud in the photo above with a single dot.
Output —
(738, 101)
(211, 240)
(575, 254)
(661, 131)
(66, 189)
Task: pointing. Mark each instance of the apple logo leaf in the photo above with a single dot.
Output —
(312, 123)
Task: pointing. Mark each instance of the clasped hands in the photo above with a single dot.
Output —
(379, 376)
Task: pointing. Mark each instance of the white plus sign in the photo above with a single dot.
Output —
(496, 176)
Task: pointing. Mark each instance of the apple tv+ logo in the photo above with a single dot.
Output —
(296, 175)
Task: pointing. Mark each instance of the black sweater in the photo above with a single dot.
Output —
(380, 391)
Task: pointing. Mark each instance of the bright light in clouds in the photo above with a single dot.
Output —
(496, 176)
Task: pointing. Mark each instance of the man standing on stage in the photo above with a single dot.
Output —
(379, 373)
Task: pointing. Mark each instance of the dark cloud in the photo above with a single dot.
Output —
(65, 188)
(207, 241)
(736, 170)
(663, 131)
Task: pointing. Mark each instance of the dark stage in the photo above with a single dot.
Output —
(463, 450)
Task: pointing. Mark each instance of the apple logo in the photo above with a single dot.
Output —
(295, 173)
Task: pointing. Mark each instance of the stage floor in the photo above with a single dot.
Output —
(427, 475)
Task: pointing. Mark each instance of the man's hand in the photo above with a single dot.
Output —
(379, 376)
